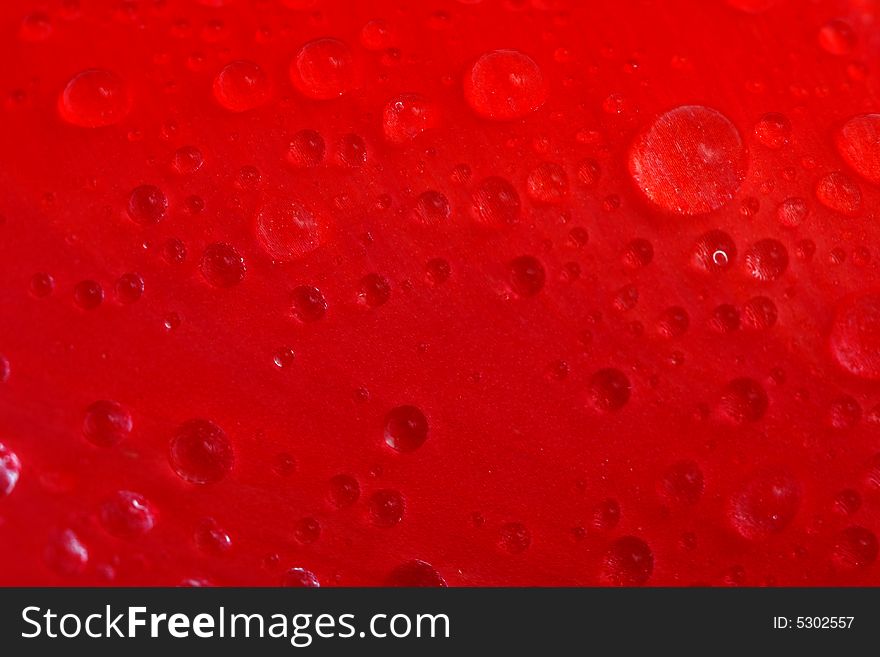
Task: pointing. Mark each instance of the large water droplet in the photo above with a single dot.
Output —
(127, 515)
(765, 505)
(147, 204)
(495, 202)
(838, 192)
(322, 69)
(286, 229)
(690, 160)
(504, 84)
(858, 142)
(200, 452)
(106, 423)
(855, 336)
(406, 428)
(222, 265)
(407, 116)
(415, 573)
(93, 99)
(242, 86)
(628, 562)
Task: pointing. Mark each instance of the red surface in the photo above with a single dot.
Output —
(632, 374)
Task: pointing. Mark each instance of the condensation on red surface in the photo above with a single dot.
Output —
(613, 393)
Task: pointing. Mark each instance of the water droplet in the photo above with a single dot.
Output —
(375, 290)
(759, 313)
(36, 26)
(307, 530)
(628, 562)
(844, 412)
(837, 37)
(504, 84)
(767, 259)
(606, 514)
(495, 202)
(526, 275)
(638, 253)
(241, 86)
(376, 35)
(438, 271)
(415, 573)
(65, 553)
(432, 207)
(10, 470)
(387, 507)
(352, 151)
(147, 204)
(407, 116)
(127, 515)
(791, 212)
(855, 547)
(129, 287)
(222, 265)
(212, 538)
(589, 172)
(674, 322)
(765, 505)
(306, 149)
(743, 400)
(514, 538)
(174, 251)
(847, 501)
(344, 490)
(106, 423)
(406, 428)
(858, 142)
(187, 160)
(200, 452)
(284, 357)
(773, 130)
(309, 304)
(713, 252)
(94, 98)
(855, 336)
(322, 69)
(286, 229)
(42, 285)
(609, 390)
(88, 294)
(300, 578)
(838, 192)
(682, 483)
(547, 183)
(690, 160)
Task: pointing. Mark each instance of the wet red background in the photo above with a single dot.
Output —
(743, 453)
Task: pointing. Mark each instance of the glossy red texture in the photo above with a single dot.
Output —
(511, 292)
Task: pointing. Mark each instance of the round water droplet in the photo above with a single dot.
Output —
(838, 192)
(606, 514)
(106, 423)
(855, 336)
(222, 265)
(284, 357)
(495, 202)
(765, 505)
(691, 160)
(42, 285)
(609, 390)
(767, 259)
(438, 271)
(65, 553)
(147, 204)
(837, 37)
(93, 99)
(589, 172)
(309, 304)
(791, 212)
(547, 183)
(322, 69)
(127, 515)
(514, 538)
(674, 322)
(628, 562)
(759, 313)
(212, 538)
(129, 287)
(241, 86)
(415, 573)
(855, 547)
(406, 428)
(300, 578)
(432, 208)
(773, 130)
(344, 490)
(504, 84)
(306, 149)
(858, 142)
(639, 253)
(187, 160)
(286, 229)
(307, 530)
(844, 412)
(375, 290)
(352, 151)
(743, 400)
(407, 116)
(526, 275)
(10, 470)
(713, 252)
(682, 483)
(387, 508)
(88, 294)
(200, 452)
